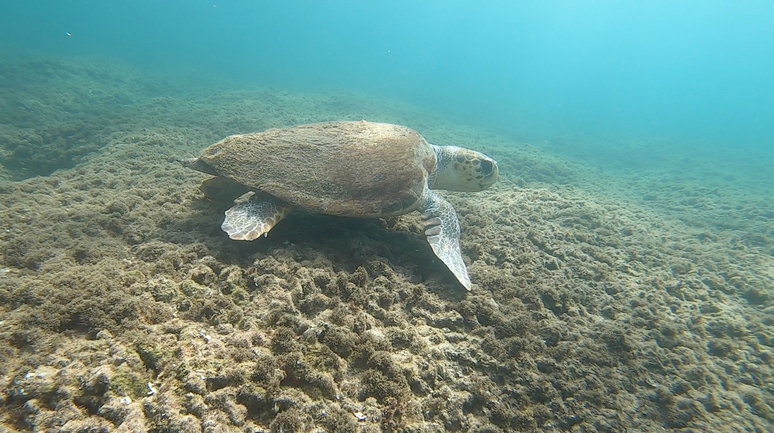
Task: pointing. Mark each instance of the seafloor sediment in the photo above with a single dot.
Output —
(604, 299)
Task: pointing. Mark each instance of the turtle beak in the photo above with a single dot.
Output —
(489, 171)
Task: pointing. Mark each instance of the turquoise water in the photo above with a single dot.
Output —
(689, 70)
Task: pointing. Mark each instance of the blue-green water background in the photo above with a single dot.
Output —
(689, 71)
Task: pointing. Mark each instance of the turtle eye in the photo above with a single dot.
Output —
(486, 167)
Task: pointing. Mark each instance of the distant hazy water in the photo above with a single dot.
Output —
(688, 70)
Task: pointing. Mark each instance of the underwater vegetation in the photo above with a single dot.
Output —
(601, 300)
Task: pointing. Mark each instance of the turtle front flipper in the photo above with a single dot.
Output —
(443, 234)
(255, 217)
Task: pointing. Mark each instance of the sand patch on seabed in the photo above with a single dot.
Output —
(124, 307)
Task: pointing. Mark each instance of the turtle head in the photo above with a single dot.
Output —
(459, 169)
(198, 165)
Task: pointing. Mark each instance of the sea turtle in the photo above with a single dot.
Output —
(352, 169)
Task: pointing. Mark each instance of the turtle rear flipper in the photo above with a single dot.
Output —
(443, 234)
(255, 217)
